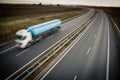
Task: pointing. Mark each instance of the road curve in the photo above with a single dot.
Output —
(94, 57)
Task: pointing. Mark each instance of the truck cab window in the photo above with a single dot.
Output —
(21, 37)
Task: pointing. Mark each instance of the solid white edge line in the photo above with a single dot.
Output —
(88, 50)
(75, 77)
(22, 52)
(8, 49)
(108, 55)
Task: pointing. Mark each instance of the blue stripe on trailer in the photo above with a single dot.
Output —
(44, 27)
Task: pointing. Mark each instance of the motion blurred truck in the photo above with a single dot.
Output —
(26, 37)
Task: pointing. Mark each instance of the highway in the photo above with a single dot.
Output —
(94, 56)
(13, 58)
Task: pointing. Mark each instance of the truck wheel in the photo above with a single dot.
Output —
(40, 38)
(29, 44)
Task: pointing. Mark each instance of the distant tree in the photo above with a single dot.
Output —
(40, 3)
(58, 4)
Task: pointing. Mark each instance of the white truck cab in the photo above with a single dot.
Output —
(23, 38)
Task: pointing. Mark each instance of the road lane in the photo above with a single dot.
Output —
(10, 62)
(22, 52)
(8, 49)
(89, 59)
(69, 65)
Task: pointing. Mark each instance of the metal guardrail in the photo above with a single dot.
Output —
(36, 63)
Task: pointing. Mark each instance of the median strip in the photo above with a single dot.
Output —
(37, 65)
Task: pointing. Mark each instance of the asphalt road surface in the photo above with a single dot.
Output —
(93, 57)
(13, 58)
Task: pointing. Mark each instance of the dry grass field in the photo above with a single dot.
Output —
(29, 11)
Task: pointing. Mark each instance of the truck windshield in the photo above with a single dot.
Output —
(20, 37)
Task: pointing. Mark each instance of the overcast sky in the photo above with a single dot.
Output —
(77, 2)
